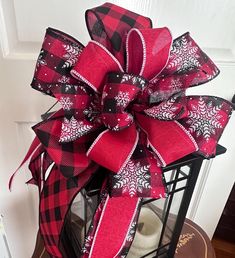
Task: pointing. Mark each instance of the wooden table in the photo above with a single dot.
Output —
(194, 243)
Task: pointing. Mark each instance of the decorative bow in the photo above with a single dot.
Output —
(124, 108)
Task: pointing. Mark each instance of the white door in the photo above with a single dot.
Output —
(22, 26)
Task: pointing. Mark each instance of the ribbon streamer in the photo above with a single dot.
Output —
(123, 109)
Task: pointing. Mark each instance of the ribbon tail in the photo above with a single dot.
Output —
(39, 163)
(34, 145)
(55, 201)
(141, 177)
(116, 219)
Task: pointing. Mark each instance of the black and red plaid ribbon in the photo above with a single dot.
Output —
(124, 108)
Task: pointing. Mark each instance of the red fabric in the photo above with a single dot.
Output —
(114, 144)
(149, 48)
(164, 137)
(59, 53)
(55, 200)
(113, 233)
(205, 120)
(70, 158)
(39, 163)
(100, 63)
(109, 24)
(34, 145)
(144, 166)
(119, 91)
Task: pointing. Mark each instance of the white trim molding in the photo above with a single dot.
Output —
(11, 46)
(199, 189)
(4, 247)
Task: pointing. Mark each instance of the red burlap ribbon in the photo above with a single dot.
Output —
(124, 109)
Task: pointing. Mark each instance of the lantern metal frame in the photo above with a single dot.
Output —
(165, 249)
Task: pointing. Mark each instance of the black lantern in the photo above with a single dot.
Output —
(180, 176)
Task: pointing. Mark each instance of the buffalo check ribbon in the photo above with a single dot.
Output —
(124, 108)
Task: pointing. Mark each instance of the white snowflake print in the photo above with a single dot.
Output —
(214, 73)
(164, 111)
(131, 233)
(66, 103)
(133, 79)
(116, 127)
(83, 88)
(104, 95)
(40, 61)
(71, 55)
(64, 79)
(123, 98)
(40, 86)
(176, 85)
(72, 129)
(204, 119)
(160, 95)
(132, 178)
(87, 244)
(129, 118)
(183, 55)
(68, 87)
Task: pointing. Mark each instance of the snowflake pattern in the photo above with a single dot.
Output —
(66, 103)
(40, 61)
(104, 95)
(164, 111)
(213, 74)
(133, 79)
(87, 244)
(176, 85)
(183, 55)
(116, 127)
(204, 119)
(72, 129)
(132, 178)
(71, 55)
(131, 233)
(123, 98)
(64, 79)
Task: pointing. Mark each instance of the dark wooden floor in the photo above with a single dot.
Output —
(223, 249)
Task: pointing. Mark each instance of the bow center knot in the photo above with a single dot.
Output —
(119, 93)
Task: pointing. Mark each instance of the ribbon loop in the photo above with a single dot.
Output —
(100, 61)
(172, 109)
(109, 24)
(206, 119)
(187, 66)
(59, 53)
(168, 140)
(148, 51)
(49, 133)
(78, 103)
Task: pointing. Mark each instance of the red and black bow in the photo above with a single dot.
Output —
(124, 108)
